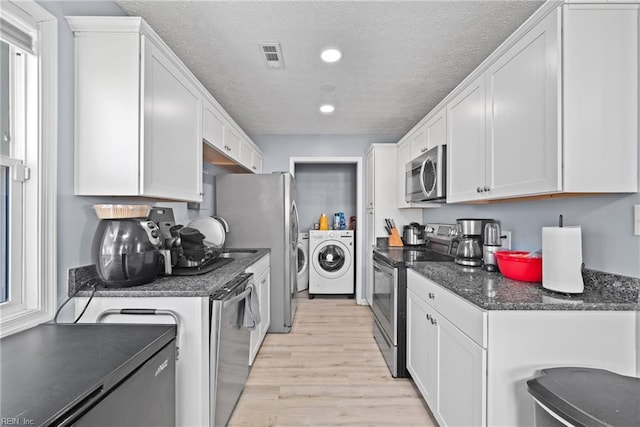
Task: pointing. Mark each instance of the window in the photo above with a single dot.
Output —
(28, 130)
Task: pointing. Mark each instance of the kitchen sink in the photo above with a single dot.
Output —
(238, 254)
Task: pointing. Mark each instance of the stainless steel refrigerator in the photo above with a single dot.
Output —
(261, 212)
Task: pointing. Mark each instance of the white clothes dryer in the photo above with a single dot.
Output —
(303, 261)
(332, 257)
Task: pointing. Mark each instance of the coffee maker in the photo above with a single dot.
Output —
(470, 242)
(492, 242)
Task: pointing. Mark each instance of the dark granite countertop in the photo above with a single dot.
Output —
(493, 291)
(201, 285)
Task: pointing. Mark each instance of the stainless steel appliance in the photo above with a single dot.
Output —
(413, 234)
(492, 242)
(389, 304)
(426, 176)
(469, 250)
(229, 343)
(126, 251)
(261, 212)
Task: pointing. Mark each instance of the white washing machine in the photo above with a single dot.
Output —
(303, 261)
(331, 269)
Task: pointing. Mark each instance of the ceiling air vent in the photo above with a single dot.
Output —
(272, 55)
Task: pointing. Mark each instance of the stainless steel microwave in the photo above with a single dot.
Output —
(426, 176)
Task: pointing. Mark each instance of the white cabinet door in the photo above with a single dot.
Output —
(436, 129)
(232, 143)
(461, 385)
(522, 115)
(265, 302)
(370, 184)
(465, 143)
(213, 126)
(256, 162)
(246, 154)
(263, 293)
(419, 142)
(403, 157)
(172, 145)
(422, 348)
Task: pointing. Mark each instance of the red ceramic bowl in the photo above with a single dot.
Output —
(514, 265)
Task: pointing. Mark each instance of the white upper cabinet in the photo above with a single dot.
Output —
(419, 141)
(503, 126)
(256, 162)
(232, 143)
(172, 138)
(436, 128)
(126, 139)
(466, 143)
(554, 110)
(213, 126)
(522, 115)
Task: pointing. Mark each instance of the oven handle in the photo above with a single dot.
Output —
(145, 312)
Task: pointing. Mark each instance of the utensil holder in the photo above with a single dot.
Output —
(394, 238)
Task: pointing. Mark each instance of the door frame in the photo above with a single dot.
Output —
(359, 267)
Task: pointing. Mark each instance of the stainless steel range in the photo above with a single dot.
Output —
(390, 289)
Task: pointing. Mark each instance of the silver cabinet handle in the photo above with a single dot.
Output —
(478, 189)
(428, 317)
(432, 295)
(487, 188)
(434, 321)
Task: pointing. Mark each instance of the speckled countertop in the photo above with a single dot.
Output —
(493, 291)
(169, 286)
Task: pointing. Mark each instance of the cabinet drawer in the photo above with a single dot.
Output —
(465, 316)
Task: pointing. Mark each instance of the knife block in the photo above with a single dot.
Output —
(394, 238)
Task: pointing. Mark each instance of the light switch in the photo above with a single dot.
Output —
(636, 220)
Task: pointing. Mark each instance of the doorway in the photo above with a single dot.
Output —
(328, 185)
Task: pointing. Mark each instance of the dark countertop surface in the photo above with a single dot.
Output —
(201, 285)
(42, 372)
(493, 291)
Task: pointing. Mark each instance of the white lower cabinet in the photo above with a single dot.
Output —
(472, 365)
(447, 366)
(261, 280)
(461, 376)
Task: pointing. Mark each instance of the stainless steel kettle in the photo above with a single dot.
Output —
(413, 234)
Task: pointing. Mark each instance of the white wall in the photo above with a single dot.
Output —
(278, 149)
(608, 243)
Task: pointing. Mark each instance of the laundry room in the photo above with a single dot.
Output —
(327, 196)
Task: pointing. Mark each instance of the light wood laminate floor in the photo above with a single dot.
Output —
(328, 371)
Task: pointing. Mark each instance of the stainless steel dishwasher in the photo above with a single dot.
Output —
(229, 342)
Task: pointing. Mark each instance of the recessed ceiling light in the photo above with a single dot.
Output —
(331, 55)
(327, 108)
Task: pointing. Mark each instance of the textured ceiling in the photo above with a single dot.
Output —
(399, 58)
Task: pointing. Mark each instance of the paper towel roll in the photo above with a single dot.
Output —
(562, 259)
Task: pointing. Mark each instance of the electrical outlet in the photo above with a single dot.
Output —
(506, 242)
(636, 220)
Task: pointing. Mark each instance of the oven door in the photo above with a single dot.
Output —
(385, 299)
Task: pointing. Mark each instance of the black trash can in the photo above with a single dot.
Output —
(585, 397)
